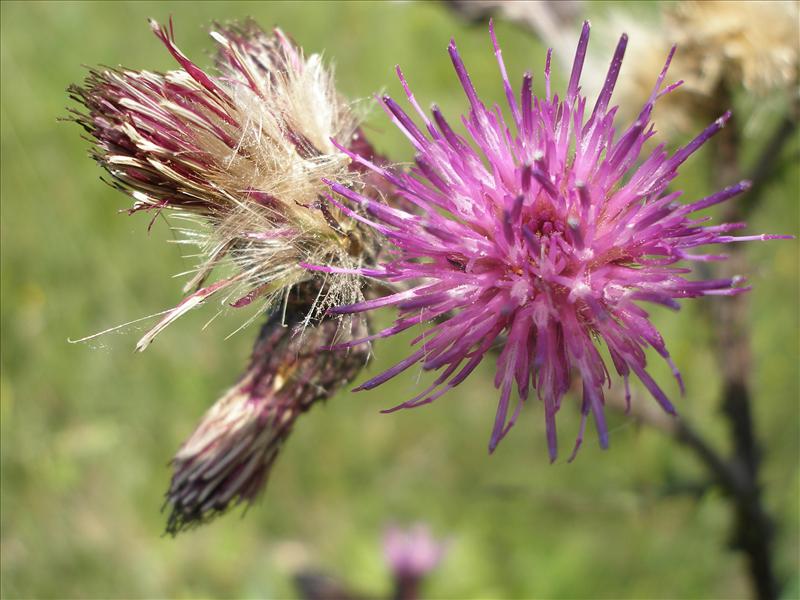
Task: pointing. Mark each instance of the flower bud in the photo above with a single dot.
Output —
(229, 456)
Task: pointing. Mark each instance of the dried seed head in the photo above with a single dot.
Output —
(240, 157)
(228, 458)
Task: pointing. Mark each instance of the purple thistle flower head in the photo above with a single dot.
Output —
(411, 554)
(542, 234)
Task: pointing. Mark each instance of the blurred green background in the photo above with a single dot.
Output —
(87, 429)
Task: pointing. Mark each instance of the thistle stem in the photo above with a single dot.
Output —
(754, 528)
(738, 475)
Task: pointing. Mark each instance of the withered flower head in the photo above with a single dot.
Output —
(228, 458)
(239, 157)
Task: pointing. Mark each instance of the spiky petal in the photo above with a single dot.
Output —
(543, 235)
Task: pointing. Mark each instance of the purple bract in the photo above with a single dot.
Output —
(541, 234)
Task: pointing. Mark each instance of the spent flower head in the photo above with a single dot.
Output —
(238, 156)
(542, 234)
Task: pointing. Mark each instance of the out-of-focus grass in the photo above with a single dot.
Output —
(87, 429)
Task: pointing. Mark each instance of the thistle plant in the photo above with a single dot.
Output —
(542, 234)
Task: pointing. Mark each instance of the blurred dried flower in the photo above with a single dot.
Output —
(753, 43)
(239, 157)
(721, 46)
(228, 458)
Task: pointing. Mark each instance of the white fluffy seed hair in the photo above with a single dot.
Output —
(239, 158)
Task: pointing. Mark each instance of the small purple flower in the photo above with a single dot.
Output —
(542, 235)
(411, 554)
